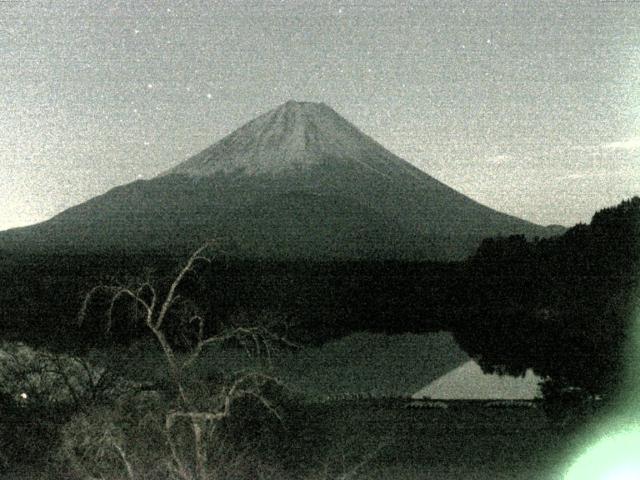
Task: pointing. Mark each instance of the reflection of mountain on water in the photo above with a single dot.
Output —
(469, 382)
(362, 363)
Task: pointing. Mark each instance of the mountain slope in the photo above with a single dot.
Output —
(299, 181)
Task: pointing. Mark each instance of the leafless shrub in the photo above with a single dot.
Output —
(191, 409)
(51, 380)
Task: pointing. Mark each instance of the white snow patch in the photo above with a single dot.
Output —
(293, 136)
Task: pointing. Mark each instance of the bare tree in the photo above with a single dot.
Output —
(154, 311)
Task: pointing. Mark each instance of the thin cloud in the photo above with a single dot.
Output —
(581, 175)
(630, 144)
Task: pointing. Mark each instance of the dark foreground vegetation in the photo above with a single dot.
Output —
(122, 435)
(338, 439)
(74, 407)
(322, 300)
(563, 306)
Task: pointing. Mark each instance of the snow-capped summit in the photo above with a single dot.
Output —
(293, 136)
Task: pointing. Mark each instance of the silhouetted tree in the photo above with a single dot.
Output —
(561, 306)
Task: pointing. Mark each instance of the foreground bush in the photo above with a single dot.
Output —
(131, 440)
(39, 392)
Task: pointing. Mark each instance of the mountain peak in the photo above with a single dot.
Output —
(295, 112)
(292, 136)
(295, 104)
(309, 108)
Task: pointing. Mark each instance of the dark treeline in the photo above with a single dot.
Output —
(41, 295)
(317, 301)
(559, 305)
(562, 305)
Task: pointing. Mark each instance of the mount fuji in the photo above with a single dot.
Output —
(298, 182)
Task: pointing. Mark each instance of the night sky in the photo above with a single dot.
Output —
(532, 108)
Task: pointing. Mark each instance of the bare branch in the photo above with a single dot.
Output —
(121, 293)
(172, 290)
(89, 296)
(152, 305)
(200, 343)
(267, 404)
(59, 371)
(180, 468)
(124, 459)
